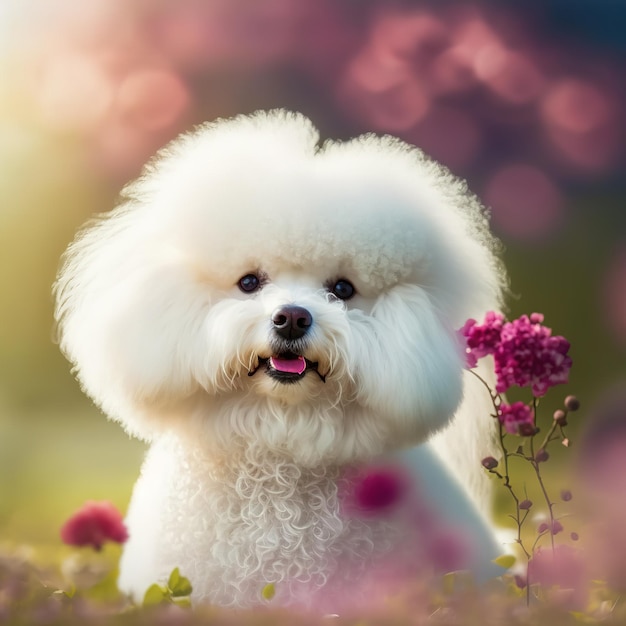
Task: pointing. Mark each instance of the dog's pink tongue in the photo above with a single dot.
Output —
(291, 366)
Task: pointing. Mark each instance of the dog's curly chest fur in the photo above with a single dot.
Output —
(267, 520)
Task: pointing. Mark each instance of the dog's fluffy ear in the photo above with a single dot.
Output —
(129, 315)
(459, 265)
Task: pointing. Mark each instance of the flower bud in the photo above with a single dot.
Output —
(572, 403)
(542, 528)
(520, 581)
(574, 536)
(542, 456)
(527, 430)
(489, 463)
(560, 417)
(557, 527)
(566, 495)
(524, 505)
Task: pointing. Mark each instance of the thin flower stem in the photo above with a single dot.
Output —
(537, 540)
(548, 438)
(507, 483)
(535, 465)
(494, 397)
(547, 499)
(506, 479)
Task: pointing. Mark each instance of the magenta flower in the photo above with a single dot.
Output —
(94, 524)
(377, 490)
(525, 352)
(529, 356)
(517, 418)
(482, 339)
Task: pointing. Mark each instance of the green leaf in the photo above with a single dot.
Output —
(182, 588)
(269, 591)
(65, 596)
(155, 594)
(581, 617)
(184, 603)
(505, 560)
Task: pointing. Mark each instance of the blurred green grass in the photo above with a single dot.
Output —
(52, 461)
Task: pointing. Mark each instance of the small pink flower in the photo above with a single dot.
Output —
(557, 527)
(562, 566)
(482, 339)
(379, 489)
(94, 524)
(448, 550)
(517, 418)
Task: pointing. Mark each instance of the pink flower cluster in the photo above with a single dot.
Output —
(525, 352)
(94, 524)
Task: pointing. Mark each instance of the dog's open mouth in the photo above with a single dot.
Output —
(287, 367)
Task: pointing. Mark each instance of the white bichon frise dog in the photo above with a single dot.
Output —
(274, 317)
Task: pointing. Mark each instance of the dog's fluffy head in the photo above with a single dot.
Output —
(256, 287)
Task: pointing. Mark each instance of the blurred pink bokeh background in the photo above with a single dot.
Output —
(526, 101)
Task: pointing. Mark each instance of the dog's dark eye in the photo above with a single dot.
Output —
(343, 289)
(249, 283)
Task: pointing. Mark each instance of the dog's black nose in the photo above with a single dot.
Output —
(291, 322)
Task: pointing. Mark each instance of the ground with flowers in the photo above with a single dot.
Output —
(43, 581)
(31, 593)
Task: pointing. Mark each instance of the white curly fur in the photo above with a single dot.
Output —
(240, 486)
